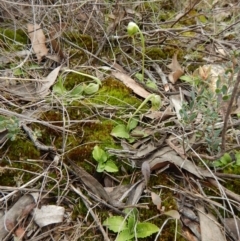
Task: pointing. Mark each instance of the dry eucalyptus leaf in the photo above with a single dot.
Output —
(136, 193)
(48, 215)
(160, 115)
(173, 213)
(166, 155)
(38, 40)
(156, 200)
(45, 85)
(210, 229)
(10, 219)
(132, 84)
(177, 70)
(177, 102)
(231, 225)
(35, 90)
(193, 226)
(19, 233)
(146, 171)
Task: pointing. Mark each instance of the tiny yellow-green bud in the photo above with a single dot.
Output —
(156, 102)
(132, 28)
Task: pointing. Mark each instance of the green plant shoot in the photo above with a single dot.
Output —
(123, 131)
(129, 227)
(132, 29)
(104, 161)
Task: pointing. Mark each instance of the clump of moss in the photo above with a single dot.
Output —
(73, 79)
(115, 93)
(13, 39)
(81, 40)
(156, 53)
(21, 149)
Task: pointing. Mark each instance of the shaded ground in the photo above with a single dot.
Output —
(82, 129)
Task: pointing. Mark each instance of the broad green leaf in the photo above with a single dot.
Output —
(58, 88)
(224, 89)
(18, 72)
(99, 154)
(125, 235)
(202, 18)
(132, 124)
(225, 159)
(218, 163)
(237, 156)
(139, 77)
(226, 97)
(151, 84)
(116, 223)
(131, 140)
(120, 131)
(110, 166)
(101, 167)
(156, 102)
(186, 78)
(131, 211)
(146, 229)
(76, 91)
(131, 223)
(91, 88)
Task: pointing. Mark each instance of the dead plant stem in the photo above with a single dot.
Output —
(225, 124)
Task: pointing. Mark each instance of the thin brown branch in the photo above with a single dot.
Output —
(225, 125)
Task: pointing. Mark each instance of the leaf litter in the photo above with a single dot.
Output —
(164, 144)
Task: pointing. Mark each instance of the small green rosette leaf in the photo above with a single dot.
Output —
(116, 223)
(99, 154)
(146, 229)
(120, 131)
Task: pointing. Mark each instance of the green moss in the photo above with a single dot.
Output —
(115, 93)
(73, 79)
(20, 149)
(13, 39)
(78, 56)
(81, 40)
(18, 172)
(155, 53)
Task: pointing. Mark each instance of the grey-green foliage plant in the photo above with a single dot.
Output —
(129, 228)
(105, 161)
(11, 124)
(206, 106)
